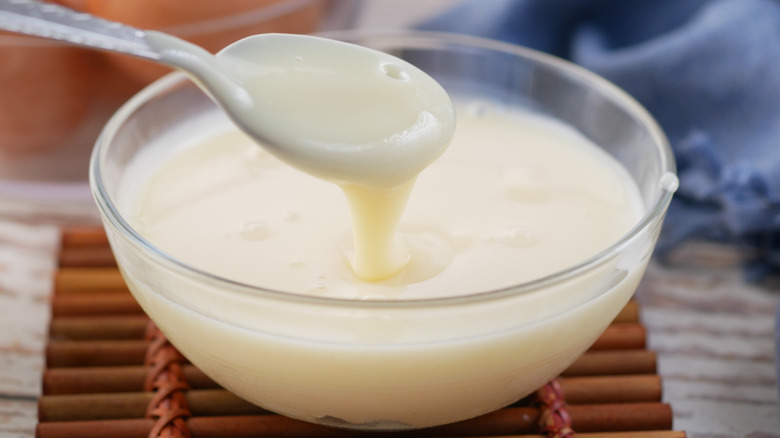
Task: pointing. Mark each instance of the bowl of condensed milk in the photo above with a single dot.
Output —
(523, 241)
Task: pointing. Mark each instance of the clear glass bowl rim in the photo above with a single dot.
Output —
(654, 214)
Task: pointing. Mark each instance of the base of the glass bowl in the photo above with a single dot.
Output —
(384, 425)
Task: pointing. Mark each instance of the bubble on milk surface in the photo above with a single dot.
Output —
(318, 288)
(395, 71)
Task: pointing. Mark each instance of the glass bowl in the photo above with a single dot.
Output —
(56, 98)
(404, 364)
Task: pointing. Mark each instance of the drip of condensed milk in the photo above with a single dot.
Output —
(361, 118)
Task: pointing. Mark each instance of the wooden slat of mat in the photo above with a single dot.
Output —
(215, 401)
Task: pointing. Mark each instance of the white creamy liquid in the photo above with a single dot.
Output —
(516, 197)
(361, 118)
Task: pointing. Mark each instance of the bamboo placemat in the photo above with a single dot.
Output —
(111, 373)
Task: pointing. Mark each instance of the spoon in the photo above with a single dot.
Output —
(338, 111)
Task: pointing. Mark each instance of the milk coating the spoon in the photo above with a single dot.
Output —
(361, 118)
(336, 110)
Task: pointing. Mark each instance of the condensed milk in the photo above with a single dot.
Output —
(517, 196)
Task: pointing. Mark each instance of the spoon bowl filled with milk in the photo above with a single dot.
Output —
(336, 110)
(389, 304)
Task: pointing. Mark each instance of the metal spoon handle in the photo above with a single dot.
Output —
(59, 23)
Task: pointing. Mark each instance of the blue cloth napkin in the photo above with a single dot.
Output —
(708, 71)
